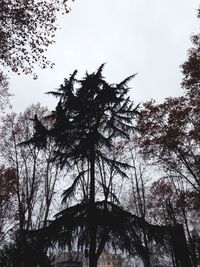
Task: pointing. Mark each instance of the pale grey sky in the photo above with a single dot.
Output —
(150, 38)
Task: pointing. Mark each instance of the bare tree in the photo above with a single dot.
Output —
(36, 176)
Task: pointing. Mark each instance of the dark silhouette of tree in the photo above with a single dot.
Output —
(191, 67)
(24, 251)
(7, 192)
(89, 116)
(115, 227)
(170, 137)
(35, 175)
(27, 29)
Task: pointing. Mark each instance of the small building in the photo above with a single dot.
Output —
(110, 260)
(76, 259)
(66, 259)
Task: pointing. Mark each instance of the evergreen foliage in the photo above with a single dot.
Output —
(25, 251)
(89, 116)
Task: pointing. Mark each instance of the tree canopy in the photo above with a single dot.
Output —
(27, 29)
(90, 115)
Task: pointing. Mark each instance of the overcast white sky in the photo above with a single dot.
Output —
(148, 37)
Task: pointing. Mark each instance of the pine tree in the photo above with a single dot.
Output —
(89, 116)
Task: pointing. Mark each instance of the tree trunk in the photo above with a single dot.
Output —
(146, 261)
(179, 246)
(92, 223)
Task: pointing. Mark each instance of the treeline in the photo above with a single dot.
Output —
(125, 174)
(153, 172)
